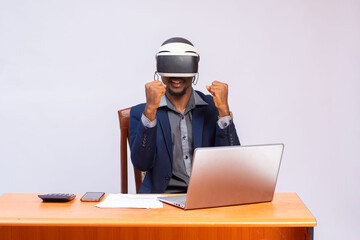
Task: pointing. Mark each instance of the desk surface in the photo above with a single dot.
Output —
(26, 209)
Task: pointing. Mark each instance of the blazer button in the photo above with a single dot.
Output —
(167, 177)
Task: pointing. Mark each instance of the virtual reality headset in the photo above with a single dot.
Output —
(177, 57)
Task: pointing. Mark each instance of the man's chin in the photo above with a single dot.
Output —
(176, 94)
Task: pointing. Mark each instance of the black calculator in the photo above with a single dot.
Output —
(57, 197)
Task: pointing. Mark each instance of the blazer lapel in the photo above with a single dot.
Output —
(197, 126)
(164, 124)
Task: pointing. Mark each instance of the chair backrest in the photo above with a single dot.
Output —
(124, 117)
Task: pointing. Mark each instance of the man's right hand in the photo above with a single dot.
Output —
(153, 90)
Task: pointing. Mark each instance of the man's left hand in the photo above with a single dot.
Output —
(219, 91)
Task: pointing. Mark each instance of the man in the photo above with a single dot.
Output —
(175, 120)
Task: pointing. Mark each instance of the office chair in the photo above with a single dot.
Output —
(124, 117)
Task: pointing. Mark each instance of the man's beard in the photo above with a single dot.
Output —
(176, 94)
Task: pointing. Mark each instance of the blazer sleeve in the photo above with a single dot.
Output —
(223, 137)
(226, 136)
(142, 141)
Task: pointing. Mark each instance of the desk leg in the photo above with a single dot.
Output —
(310, 233)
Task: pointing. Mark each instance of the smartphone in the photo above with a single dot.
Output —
(92, 196)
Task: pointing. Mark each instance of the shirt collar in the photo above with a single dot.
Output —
(198, 99)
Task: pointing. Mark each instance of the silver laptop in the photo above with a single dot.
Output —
(223, 176)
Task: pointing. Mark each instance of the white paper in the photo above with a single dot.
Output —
(130, 201)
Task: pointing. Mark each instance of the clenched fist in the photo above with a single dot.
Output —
(153, 90)
(219, 91)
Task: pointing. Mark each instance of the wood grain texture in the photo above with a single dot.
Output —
(188, 233)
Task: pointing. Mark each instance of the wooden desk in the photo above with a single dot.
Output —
(25, 216)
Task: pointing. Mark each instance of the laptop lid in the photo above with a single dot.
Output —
(232, 175)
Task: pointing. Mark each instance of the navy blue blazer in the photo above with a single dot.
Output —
(151, 148)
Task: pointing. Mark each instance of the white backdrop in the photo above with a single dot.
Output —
(293, 69)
